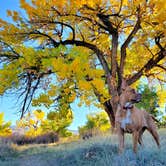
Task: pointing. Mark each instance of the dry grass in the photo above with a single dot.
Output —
(96, 151)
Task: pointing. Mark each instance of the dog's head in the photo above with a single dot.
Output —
(129, 94)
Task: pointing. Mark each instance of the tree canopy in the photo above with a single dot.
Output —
(60, 50)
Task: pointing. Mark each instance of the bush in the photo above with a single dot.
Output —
(41, 139)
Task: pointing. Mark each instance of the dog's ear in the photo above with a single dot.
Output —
(123, 84)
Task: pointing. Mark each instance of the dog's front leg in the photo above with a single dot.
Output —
(135, 140)
(121, 139)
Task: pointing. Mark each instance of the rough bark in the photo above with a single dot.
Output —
(110, 112)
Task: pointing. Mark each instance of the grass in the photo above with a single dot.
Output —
(97, 151)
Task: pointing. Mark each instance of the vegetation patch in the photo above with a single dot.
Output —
(99, 150)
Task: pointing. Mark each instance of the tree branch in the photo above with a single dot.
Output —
(29, 93)
(90, 46)
(127, 42)
(114, 54)
(23, 110)
(16, 54)
(157, 41)
(107, 23)
(147, 67)
(43, 34)
(162, 67)
(55, 22)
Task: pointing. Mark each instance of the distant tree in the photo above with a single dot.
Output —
(31, 123)
(97, 121)
(36, 124)
(58, 121)
(163, 121)
(150, 100)
(5, 129)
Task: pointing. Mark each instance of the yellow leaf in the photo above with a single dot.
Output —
(9, 13)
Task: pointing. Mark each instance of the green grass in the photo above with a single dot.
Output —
(97, 151)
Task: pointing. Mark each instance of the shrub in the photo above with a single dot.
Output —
(41, 139)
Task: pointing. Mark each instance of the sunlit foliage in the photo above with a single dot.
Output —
(98, 121)
(31, 123)
(149, 101)
(36, 123)
(62, 50)
(58, 121)
(5, 129)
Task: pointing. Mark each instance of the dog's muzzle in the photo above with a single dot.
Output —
(137, 99)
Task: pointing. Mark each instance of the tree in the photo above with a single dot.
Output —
(5, 129)
(35, 124)
(163, 121)
(31, 123)
(149, 100)
(65, 49)
(57, 122)
(97, 121)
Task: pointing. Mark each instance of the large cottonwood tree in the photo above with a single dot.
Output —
(56, 51)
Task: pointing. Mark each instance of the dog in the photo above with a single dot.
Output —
(130, 119)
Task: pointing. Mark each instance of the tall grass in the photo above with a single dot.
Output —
(97, 151)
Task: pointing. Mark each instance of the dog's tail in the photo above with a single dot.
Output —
(156, 120)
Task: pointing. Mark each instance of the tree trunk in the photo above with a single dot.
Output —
(110, 112)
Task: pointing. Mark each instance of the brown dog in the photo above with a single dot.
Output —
(130, 119)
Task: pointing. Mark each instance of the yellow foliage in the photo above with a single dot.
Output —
(5, 129)
(84, 85)
(162, 97)
(31, 122)
(33, 132)
(52, 91)
(75, 66)
(39, 114)
(9, 13)
(72, 97)
(99, 85)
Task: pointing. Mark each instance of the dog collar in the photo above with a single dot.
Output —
(128, 105)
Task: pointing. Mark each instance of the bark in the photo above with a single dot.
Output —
(110, 112)
(114, 54)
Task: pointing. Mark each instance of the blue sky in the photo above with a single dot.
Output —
(7, 4)
(8, 104)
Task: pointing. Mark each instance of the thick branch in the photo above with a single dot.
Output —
(151, 63)
(81, 18)
(147, 67)
(8, 56)
(126, 44)
(107, 23)
(90, 46)
(114, 54)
